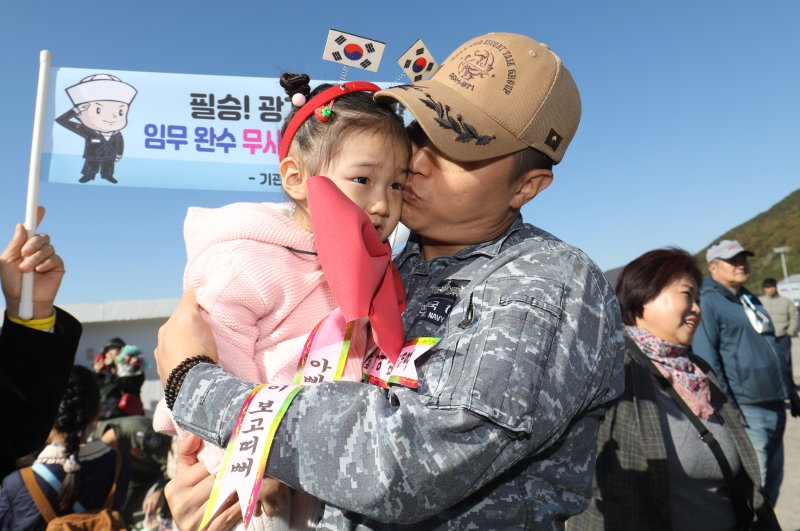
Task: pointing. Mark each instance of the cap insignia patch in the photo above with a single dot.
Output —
(475, 65)
(553, 140)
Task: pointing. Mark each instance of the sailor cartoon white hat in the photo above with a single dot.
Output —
(101, 87)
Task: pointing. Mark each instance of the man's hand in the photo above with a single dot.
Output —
(184, 335)
(188, 493)
(24, 255)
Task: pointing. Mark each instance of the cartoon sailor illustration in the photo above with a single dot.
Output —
(99, 113)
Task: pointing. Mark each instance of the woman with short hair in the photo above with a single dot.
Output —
(654, 471)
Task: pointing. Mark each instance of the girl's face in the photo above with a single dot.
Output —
(674, 314)
(371, 170)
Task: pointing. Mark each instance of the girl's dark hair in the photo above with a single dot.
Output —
(643, 279)
(355, 112)
(78, 408)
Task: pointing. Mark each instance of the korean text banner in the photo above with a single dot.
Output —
(158, 130)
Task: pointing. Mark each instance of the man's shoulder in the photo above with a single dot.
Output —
(542, 254)
(710, 290)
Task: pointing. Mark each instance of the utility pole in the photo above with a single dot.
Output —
(782, 251)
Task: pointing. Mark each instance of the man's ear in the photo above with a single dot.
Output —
(293, 178)
(529, 186)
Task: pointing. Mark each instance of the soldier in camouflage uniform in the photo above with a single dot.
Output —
(501, 432)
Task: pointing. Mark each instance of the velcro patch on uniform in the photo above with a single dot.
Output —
(441, 300)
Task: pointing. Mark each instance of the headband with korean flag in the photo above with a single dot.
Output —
(418, 63)
(321, 100)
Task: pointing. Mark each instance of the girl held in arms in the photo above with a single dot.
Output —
(265, 274)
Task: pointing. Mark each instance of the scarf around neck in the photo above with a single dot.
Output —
(673, 362)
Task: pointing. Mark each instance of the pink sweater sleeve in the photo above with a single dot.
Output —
(232, 302)
(231, 306)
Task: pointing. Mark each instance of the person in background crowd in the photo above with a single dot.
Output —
(737, 339)
(74, 476)
(120, 390)
(29, 395)
(130, 366)
(104, 362)
(135, 437)
(502, 430)
(785, 316)
(653, 470)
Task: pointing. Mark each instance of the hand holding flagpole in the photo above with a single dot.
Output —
(26, 296)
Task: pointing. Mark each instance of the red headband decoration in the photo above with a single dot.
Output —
(322, 99)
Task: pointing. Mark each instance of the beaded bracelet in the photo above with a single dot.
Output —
(178, 374)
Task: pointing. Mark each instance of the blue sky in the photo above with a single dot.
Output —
(690, 113)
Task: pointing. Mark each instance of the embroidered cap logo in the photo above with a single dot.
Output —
(479, 64)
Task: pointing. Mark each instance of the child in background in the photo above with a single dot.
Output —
(255, 268)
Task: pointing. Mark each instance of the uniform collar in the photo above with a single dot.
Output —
(489, 249)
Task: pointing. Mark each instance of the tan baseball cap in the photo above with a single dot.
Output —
(496, 94)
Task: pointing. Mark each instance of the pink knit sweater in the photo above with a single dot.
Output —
(260, 289)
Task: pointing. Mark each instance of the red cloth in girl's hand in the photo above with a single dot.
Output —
(357, 265)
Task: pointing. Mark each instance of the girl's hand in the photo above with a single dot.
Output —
(273, 497)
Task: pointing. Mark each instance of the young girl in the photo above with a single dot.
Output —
(255, 267)
(74, 477)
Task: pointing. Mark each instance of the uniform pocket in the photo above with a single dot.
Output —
(517, 325)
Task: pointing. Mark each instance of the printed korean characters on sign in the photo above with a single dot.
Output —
(351, 50)
(184, 131)
(418, 63)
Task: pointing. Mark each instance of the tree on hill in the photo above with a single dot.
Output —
(777, 227)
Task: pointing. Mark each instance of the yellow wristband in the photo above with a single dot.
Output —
(37, 324)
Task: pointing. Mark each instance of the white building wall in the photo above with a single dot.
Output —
(136, 322)
(790, 288)
(140, 332)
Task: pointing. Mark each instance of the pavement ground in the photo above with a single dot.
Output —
(788, 507)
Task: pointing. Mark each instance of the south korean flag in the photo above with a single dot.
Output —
(418, 63)
(351, 50)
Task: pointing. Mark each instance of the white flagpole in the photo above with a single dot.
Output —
(31, 208)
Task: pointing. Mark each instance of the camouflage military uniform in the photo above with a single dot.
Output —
(503, 429)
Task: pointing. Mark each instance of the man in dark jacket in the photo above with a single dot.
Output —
(737, 338)
(36, 355)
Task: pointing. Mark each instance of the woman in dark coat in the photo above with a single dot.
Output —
(653, 470)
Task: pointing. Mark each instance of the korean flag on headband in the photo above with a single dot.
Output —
(351, 50)
(417, 62)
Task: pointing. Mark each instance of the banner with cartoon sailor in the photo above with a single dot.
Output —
(99, 113)
(180, 130)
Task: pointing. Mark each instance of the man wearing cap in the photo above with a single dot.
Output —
(100, 106)
(784, 316)
(737, 338)
(502, 429)
(134, 436)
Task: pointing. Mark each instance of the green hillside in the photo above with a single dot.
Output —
(777, 227)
